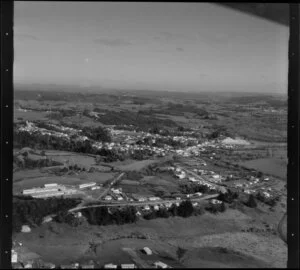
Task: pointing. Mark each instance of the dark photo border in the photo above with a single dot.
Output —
(6, 160)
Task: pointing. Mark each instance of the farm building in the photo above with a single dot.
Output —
(128, 266)
(110, 266)
(48, 194)
(86, 185)
(50, 185)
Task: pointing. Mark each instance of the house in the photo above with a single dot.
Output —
(214, 201)
(108, 198)
(195, 204)
(47, 219)
(128, 266)
(78, 215)
(156, 207)
(146, 207)
(154, 199)
(110, 266)
(141, 199)
(147, 251)
(160, 265)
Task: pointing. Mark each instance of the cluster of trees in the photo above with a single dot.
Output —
(193, 188)
(185, 209)
(102, 216)
(215, 208)
(251, 202)
(97, 134)
(31, 211)
(25, 162)
(68, 218)
(218, 132)
(228, 197)
(269, 201)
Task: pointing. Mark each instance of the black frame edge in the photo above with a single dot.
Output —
(293, 140)
(6, 132)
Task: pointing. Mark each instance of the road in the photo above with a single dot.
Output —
(142, 203)
(136, 258)
(113, 181)
(282, 228)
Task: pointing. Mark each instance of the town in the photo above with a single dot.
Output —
(71, 177)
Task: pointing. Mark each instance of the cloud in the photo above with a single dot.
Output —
(111, 42)
(179, 49)
(26, 37)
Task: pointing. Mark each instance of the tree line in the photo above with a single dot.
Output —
(31, 211)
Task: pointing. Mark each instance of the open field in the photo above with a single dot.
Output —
(199, 235)
(272, 166)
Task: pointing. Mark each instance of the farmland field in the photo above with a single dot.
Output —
(272, 166)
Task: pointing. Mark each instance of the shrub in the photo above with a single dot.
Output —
(251, 202)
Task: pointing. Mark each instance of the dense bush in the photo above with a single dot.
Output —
(68, 218)
(101, 215)
(193, 188)
(185, 209)
(228, 197)
(269, 201)
(251, 202)
(32, 211)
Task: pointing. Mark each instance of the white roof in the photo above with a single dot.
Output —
(147, 250)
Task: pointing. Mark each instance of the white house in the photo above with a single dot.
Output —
(147, 250)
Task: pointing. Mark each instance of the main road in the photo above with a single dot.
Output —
(200, 199)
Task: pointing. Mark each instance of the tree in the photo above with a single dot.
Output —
(185, 209)
(251, 202)
(180, 252)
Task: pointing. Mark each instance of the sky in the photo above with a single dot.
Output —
(155, 46)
